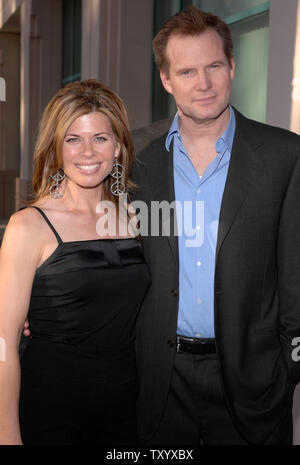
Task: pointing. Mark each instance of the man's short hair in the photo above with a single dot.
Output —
(190, 22)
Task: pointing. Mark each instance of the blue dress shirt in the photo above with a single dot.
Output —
(198, 203)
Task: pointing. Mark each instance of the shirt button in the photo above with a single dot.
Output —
(198, 227)
(198, 335)
(198, 263)
(199, 300)
(198, 191)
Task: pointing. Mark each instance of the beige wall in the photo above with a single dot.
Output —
(9, 112)
(295, 106)
(7, 9)
(116, 48)
(10, 109)
(284, 57)
(37, 75)
(41, 36)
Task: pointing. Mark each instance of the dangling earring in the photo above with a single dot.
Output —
(57, 190)
(118, 187)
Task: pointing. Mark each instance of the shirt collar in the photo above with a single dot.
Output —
(226, 138)
(173, 130)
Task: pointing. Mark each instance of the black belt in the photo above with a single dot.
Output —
(197, 346)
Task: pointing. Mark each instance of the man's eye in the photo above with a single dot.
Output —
(186, 73)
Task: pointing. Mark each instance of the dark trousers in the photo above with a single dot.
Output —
(196, 412)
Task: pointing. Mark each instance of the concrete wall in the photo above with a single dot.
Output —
(7, 9)
(41, 57)
(10, 109)
(41, 37)
(116, 49)
(283, 68)
(295, 106)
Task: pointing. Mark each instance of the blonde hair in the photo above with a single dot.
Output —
(74, 100)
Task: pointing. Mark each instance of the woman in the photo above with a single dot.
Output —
(77, 382)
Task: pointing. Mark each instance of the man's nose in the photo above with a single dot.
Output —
(203, 80)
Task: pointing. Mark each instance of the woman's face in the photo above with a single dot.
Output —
(89, 149)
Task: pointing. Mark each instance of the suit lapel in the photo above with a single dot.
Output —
(244, 167)
(164, 191)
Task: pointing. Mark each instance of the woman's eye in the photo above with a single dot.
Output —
(72, 139)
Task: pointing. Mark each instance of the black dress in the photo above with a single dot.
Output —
(78, 371)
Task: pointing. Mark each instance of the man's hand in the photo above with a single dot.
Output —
(26, 330)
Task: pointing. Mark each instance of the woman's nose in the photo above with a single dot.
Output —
(88, 148)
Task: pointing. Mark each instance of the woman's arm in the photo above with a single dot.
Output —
(19, 255)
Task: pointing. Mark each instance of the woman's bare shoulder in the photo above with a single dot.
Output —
(24, 225)
(26, 218)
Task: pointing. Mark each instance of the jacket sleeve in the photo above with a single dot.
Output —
(288, 260)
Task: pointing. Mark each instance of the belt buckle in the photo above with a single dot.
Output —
(178, 346)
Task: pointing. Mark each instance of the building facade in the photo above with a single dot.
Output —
(45, 44)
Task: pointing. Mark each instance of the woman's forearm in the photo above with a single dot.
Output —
(9, 399)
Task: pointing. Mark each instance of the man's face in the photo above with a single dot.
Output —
(199, 75)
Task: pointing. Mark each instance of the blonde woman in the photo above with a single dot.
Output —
(76, 382)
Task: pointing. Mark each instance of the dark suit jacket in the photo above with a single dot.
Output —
(144, 136)
(257, 281)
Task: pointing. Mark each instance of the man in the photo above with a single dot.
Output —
(216, 330)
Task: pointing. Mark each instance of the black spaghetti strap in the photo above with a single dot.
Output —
(47, 221)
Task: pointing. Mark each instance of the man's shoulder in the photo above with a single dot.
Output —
(152, 135)
(266, 132)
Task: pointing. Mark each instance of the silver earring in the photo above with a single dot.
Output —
(57, 190)
(118, 187)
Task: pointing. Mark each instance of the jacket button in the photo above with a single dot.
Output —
(171, 343)
(174, 292)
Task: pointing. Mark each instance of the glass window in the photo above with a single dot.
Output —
(71, 65)
(228, 8)
(251, 43)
